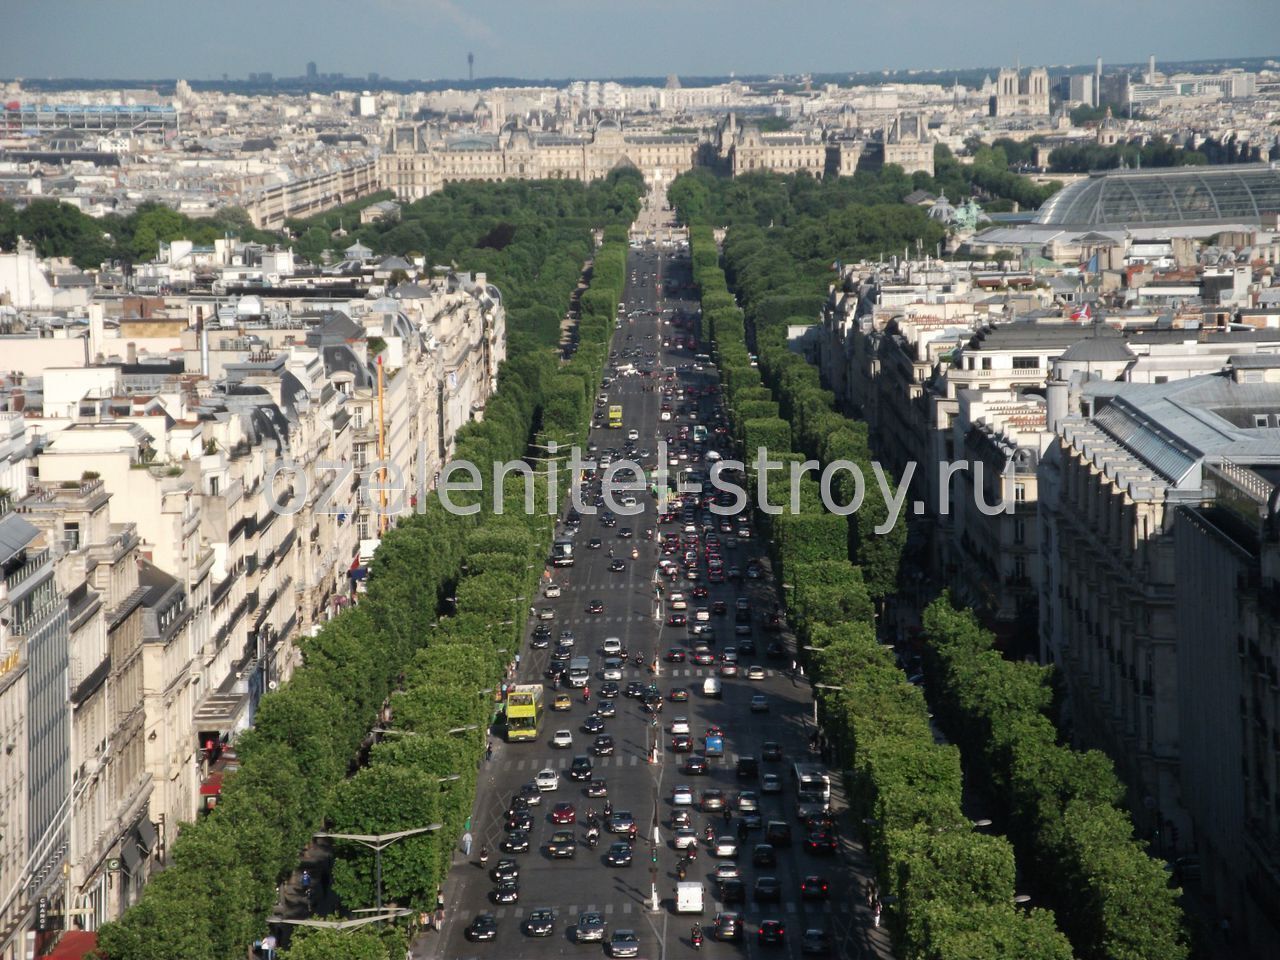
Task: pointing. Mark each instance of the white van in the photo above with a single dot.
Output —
(612, 647)
(689, 897)
(711, 687)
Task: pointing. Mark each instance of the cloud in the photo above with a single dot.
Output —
(472, 27)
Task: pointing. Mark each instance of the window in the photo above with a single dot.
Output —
(986, 363)
(358, 417)
(1161, 379)
(1020, 492)
(1259, 419)
(213, 486)
(71, 536)
(362, 526)
(1019, 531)
(1026, 363)
(1020, 567)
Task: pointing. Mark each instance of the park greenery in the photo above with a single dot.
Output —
(951, 888)
(422, 653)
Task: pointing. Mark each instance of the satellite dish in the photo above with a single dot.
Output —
(271, 684)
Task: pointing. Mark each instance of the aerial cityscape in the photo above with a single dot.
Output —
(528, 481)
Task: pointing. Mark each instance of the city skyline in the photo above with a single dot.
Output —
(537, 42)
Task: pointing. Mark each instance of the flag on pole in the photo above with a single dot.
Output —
(1081, 313)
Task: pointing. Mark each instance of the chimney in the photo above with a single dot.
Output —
(18, 400)
(131, 352)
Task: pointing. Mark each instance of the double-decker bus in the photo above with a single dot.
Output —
(615, 417)
(524, 712)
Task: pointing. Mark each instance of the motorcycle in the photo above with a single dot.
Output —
(696, 937)
(635, 553)
(593, 837)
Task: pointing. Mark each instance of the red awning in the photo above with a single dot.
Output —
(74, 945)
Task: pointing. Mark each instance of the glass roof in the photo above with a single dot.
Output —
(1231, 194)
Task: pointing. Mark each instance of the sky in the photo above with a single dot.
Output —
(429, 39)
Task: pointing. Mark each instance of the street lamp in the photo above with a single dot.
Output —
(377, 842)
(451, 777)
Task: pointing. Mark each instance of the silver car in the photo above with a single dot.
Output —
(590, 928)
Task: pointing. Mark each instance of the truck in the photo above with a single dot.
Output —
(689, 897)
(615, 416)
(562, 553)
(524, 712)
(713, 746)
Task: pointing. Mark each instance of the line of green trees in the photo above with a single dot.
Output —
(952, 889)
(1062, 805)
(437, 674)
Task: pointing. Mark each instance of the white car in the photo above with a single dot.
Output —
(686, 837)
(612, 647)
(547, 779)
(633, 434)
(678, 602)
(680, 725)
(562, 739)
(612, 669)
(702, 615)
(681, 796)
(552, 591)
(665, 415)
(755, 672)
(747, 802)
(628, 501)
(725, 847)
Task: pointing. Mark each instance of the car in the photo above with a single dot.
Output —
(567, 640)
(681, 743)
(605, 708)
(815, 942)
(718, 608)
(516, 841)
(675, 655)
(767, 890)
(589, 928)
(703, 657)
(612, 647)
(594, 543)
(679, 725)
(778, 833)
(771, 933)
(678, 602)
(540, 922)
(542, 632)
(564, 812)
(562, 739)
(685, 837)
(507, 891)
(681, 796)
(771, 750)
(624, 943)
(619, 854)
(593, 724)
(634, 688)
(580, 769)
(505, 869)
(727, 870)
(562, 702)
(725, 847)
(520, 820)
(562, 844)
(675, 619)
(742, 629)
(552, 590)
(728, 669)
(727, 927)
(712, 799)
(617, 565)
(759, 703)
(733, 890)
(595, 606)
(746, 646)
(764, 855)
(770, 783)
(546, 613)
(755, 672)
(608, 690)
(820, 842)
(547, 779)
(531, 793)
(747, 802)
(483, 928)
(602, 746)
(753, 571)
(611, 669)
(597, 788)
(678, 694)
(813, 887)
(626, 533)
(695, 765)
(620, 821)
(775, 650)
(633, 434)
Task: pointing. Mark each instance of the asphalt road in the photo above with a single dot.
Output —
(634, 613)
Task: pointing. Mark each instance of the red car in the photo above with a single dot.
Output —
(595, 606)
(700, 591)
(675, 655)
(564, 813)
(820, 842)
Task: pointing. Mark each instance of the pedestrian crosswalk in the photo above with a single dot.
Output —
(627, 907)
(562, 762)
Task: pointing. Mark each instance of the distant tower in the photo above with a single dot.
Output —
(1097, 83)
(311, 69)
(1151, 68)
(471, 67)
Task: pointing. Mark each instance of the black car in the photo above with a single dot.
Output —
(764, 855)
(483, 927)
(517, 841)
(540, 922)
(778, 833)
(635, 688)
(746, 647)
(748, 767)
(695, 764)
(520, 820)
(505, 869)
(727, 926)
(815, 942)
(772, 933)
(733, 890)
(562, 844)
(593, 724)
(626, 533)
(602, 746)
(507, 891)
(580, 770)
(619, 854)
(767, 889)
(593, 543)
(597, 788)
(771, 750)
(609, 689)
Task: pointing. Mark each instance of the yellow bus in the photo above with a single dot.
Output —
(615, 417)
(524, 712)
